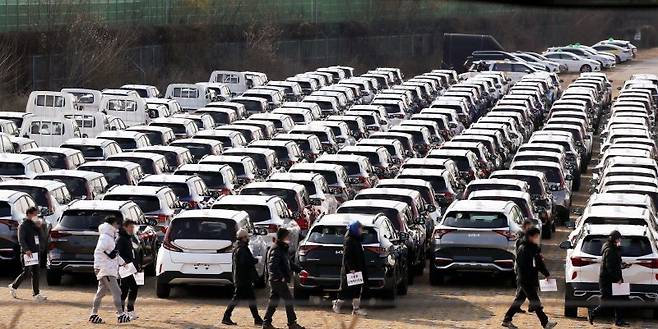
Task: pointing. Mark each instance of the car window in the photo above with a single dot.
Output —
(631, 246)
(336, 235)
(257, 213)
(472, 219)
(202, 229)
(86, 220)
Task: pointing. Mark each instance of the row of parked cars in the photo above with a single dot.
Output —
(624, 194)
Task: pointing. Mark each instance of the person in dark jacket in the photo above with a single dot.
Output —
(609, 273)
(527, 224)
(126, 245)
(354, 260)
(279, 271)
(529, 263)
(29, 240)
(244, 277)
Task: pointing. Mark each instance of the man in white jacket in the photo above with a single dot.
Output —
(106, 267)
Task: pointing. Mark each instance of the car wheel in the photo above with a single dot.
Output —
(570, 312)
(546, 232)
(586, 68)
(162, 290)
(54, 277)
(300, 294)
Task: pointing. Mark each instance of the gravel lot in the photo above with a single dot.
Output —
(463, 302)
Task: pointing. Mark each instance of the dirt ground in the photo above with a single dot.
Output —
(463, 302)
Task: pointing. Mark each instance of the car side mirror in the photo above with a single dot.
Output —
(566, 245)
(259, 230)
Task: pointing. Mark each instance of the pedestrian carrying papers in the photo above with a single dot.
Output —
(354, 279)
(548, 285)
(621, 289)
(29, 261)
(127, 270)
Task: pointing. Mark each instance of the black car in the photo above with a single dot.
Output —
(320, 255)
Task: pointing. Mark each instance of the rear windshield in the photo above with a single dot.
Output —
(336, 235)
(5, 209)
(462, 162)
(40, 195)
(114, 176)
(177, 128)
(553, 175)
(202, 229)
(145, 202)
(87, 151)
(86, 220)
(181, 190)
(126, 143)
(615, 221)
(535, 184)
(212, 180)
(633, 246)
(145, 163)
(10, 168)
(256, 213)
(197, 150)
(290, 197)
(471, 219)
(392, 214)
(437, 182)
(154, 137)
(77, 186)
(352, 168)
(55, 160)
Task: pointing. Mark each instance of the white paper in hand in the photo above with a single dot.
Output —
(354, 279)
(548, 285)
(29, 261)
(127, 270)
(621, 289)
(139, 278)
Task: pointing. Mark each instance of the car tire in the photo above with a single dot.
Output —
(546, 232)
(586, 68)
(300, 294)
(54, 277)
(570, 311)
(162, 290)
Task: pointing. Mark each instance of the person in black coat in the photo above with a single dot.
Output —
(29, 241)
(354, 261)
(244, 277)
(128, 247)
(529, 263)
(609, 273)
(279, 271)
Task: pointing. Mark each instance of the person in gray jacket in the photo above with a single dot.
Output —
(29, 238)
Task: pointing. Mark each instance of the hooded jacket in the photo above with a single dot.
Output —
(103, 263)
(529, 262)
(279, 267)
(610, 271)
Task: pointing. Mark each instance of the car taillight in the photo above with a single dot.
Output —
(511, 236)
(55, 235)
(582, 261)
(440, 232)
(193, 204)
(304, 249)
(364, 180)
(575, 274)
(166, 243)
(303, 276)
(376, 250)
(302, 222)
(162, 218)
(449, 196)
(650, 263)
(226, 191)
(272, 228)
(440, 261)
(163, 229)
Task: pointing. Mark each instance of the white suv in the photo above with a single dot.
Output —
(638, 248)
(198, 249)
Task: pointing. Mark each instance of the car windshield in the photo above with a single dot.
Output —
(154, 137)
(85, 220)
(146, 202)
(615, 220)
(352, 168)
(553, 175)
(462, 162)
(257, 213)
(202, 229)
(87, 150)
(631, 246)
(391, 213)
(178, 129)
(197, 150)
(289, 196)
(213, 180)
(126, 143)
(336, 235)
(437, 182)
(11, 168)
(113, 175)
(55, 160)
(475, 219)
(77, 186)
(181, 190)
(145, 163)
(39, 194)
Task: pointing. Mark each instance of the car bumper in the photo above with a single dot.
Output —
(174, 277)
(320, 285)
(473, 260)
(580, 294)
(71, 266)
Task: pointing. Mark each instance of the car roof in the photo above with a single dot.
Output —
(615, 211)
(422, 172)
(224, 158)
(203, 167)
(298, 176)
(196, 141)
(344, 219)
(17, 157)
(618, 198)
(519, 172)
(177, 149)
(72, 173)
(404, 181)
(142, 155)
(213, 213)
(480, 205)
(163, 178)
(120, 133)
(389, 190)
(505, 193)
(341, 158)
(247, 199)
(498, 181)
(97, 204)
(110, 163)
(61, 150)
(398, 205)
(279, 185)
(10, 195)
(135, 190)
(316, 166)
(88, 141)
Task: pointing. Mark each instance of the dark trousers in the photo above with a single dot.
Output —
(279, 290)
(529, 293)
(129, 289)
(243, 293)
(28, 270)
(608, 301)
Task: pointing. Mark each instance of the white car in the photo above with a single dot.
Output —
(583, 261)
(538, 59)
(198, 249)
(606, 60)
(573, 62)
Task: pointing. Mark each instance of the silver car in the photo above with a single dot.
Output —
(559, 183)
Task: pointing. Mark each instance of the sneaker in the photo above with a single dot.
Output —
(133, 315)
(550, 325)
(509, 324)
(123, 318)
(359, 312)
(336, 305)
(40, 298)
(229, 322)
(295, 326)
(12, 291)
(95, 319)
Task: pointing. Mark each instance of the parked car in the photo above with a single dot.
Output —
(93, 148)
(156, 135)
(158, 203)
(335, 175)
(81, 184)
(190, 190)
(13, 205)
(21, 166)
(116, 172)
(220, 179)
(59, 157)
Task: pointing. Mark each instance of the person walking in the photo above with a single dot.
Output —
(106, 268)
(128, 247)
(244, 277)
(29, 241)
(353, 261)
(279, 270)
(609, 273)
(529, 262)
